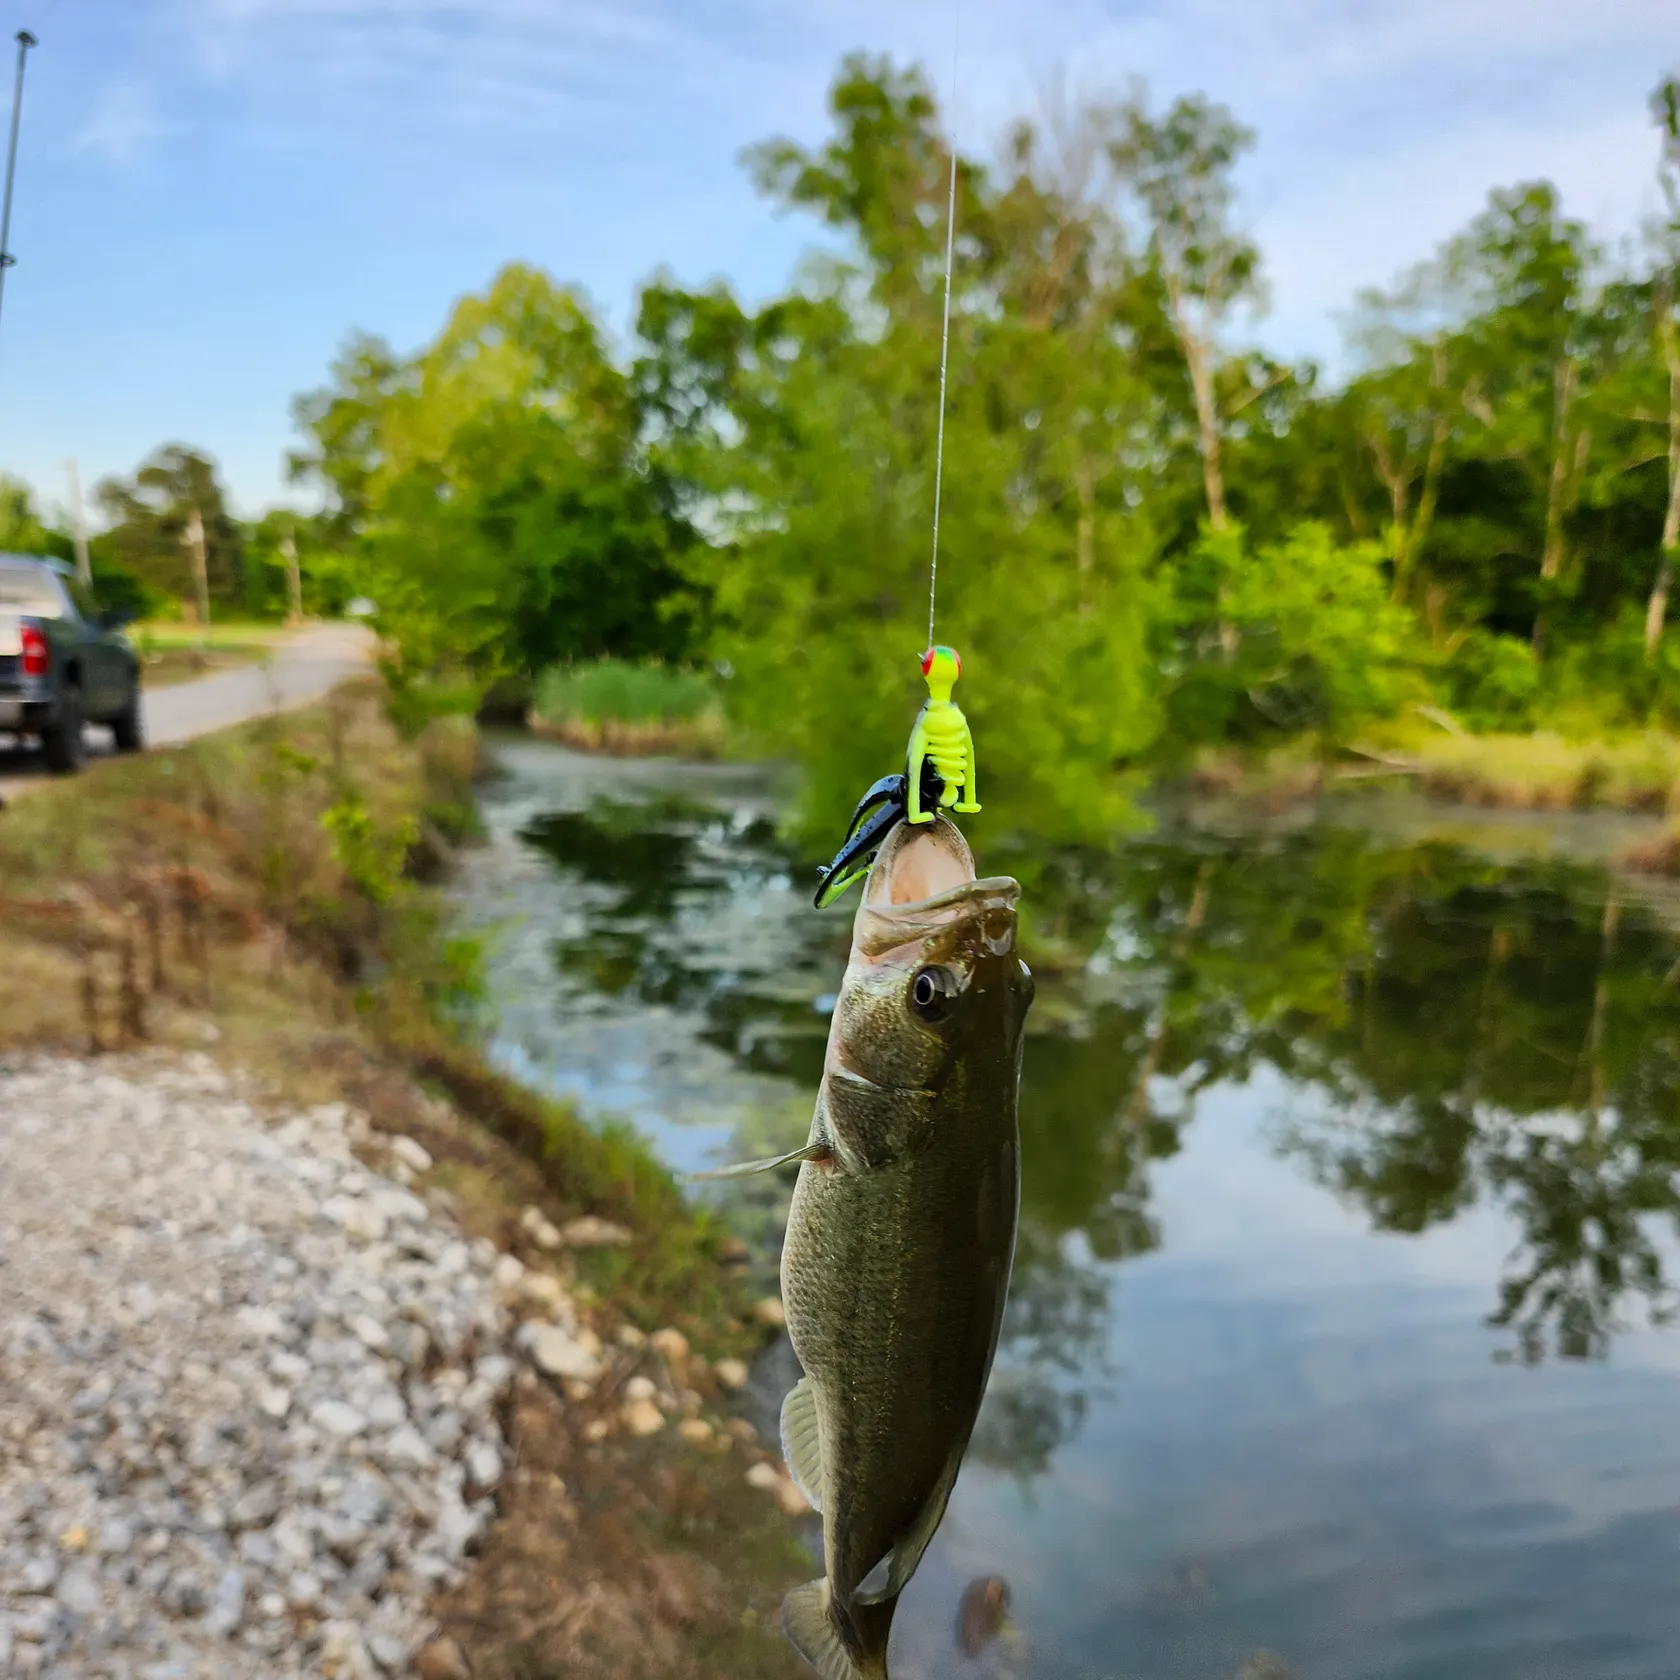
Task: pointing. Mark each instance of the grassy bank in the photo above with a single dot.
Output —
(613, 706)
(1542, 771)
(270, 896)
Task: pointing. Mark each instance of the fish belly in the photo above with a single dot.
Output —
(894, 1282)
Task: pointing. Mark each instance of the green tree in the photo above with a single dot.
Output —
(496, 487)
(1665, 294)
(821, 413)
(21, 529)
(152, 534)
(1179, 168)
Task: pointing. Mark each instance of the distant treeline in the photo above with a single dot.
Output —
(1153, 540)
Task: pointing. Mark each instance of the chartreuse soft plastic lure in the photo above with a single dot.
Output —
(938, 775)
(941, 736)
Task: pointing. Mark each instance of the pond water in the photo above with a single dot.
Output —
(1335, 1347)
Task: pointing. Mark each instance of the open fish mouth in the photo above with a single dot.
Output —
(923, 888)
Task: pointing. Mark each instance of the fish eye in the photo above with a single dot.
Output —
(931, 992)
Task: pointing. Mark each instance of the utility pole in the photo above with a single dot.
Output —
(84, 568)
(25, 41)
(201, 575)
(294, 581)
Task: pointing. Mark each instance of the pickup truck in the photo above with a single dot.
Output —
(62, 663)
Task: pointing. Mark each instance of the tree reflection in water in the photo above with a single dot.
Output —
(1456, 1031)
(1476, 1032)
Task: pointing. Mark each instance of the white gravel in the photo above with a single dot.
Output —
(248, 1388)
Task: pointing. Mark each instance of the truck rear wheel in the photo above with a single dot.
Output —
(128, 728)
(61, 740)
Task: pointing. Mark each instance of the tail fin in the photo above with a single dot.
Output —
(809, 1624)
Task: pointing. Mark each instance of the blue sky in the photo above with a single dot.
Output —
(213, 193)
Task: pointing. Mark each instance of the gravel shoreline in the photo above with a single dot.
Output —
(249, 1388)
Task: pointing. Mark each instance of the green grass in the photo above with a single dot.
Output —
(615, 691)
(234, 633)
(612, 705)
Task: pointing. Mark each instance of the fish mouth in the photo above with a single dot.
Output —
(923, 890)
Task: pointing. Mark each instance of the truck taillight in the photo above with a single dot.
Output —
(35, 652)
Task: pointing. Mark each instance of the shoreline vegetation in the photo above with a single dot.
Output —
(271, 896)
(629, 709)
(621, 709)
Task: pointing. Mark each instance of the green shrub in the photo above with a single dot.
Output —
(1492, 682)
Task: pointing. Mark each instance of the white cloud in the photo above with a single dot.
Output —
(124, 124)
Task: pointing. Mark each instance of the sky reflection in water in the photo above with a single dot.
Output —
(1348, 1206)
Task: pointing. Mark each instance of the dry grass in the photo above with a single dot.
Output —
(1539, 772)
(1547, 772)
(700, 737)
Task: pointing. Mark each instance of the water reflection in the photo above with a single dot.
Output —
(1478, 1032)
(1220, 1427)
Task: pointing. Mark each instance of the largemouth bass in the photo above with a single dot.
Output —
(901, 1232)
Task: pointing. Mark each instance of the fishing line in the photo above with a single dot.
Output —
(944, 338)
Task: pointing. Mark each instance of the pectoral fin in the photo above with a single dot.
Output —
(801, 1445)
(892, 1574)
(811, 1152)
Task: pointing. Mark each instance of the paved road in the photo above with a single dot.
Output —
(302, 670)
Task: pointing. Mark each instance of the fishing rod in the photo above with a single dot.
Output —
(939, 760)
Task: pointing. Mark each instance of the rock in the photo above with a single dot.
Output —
(640, 1388)
(734, 1252)
(370, 1332)
(771, 1312)
(405, 1449)
(732, 1373)
(696, 1431)
(227, 1607)
(642, 1417)
(38, 1575)
(78, 1589)
(1265, 1665)
(596, 1431)
(338, 1418)
(256, 1506)
(415, 1156)
(360, 1219)
(670, 1345)
(484, 1464)
(558, 1353)
(343, 1655)
(630, 1337)
(443, 1659)
(254, 1436)
(590, 1232)
(776, 1481)
(544, 1291)
(742, 1431)
(539, 1228)
(390, 1654)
